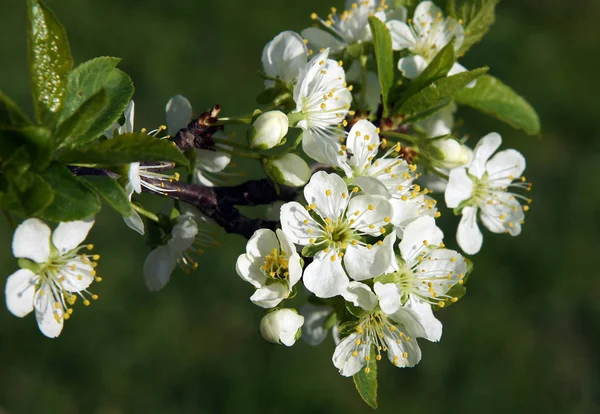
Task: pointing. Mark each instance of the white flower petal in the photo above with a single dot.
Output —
(482, 153)
(320, 39)
(412, 66)
(32, 241)
(324, 148)
(134, 177)
(363, 263)
(211, 161)
(49, 318)
(363, 143)
(283, 57)
(374, 212)
(402, 353)
(424, 314)
(293, 217)
(270, 296)
(425, 13)
(313, 330)
(423, 231)
(69, 235)
(179, 114)
(389, 297)
(129, 118)
(326, 192)
(402, 35)
(135, 222)
(78, 275)
(468, 235)
(459, 188)
(372, 186)
(19, 292)
(250, 271)
(360, 295)
(294, 269)
(504, 167)
(158, 267)
(343, 358)
(441, 123)
(262, 243)
(325, 277)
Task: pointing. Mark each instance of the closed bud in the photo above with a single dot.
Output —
(282, 326)
(268, 130)
(449, 153)
(289, 169)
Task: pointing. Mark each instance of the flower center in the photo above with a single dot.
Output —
(276, 265)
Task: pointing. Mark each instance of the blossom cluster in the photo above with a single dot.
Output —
(358, 239)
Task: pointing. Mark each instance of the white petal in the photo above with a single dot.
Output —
(360, 295)
(49, 318)
(320, 39)
(289, 322)
(412, 66)
(283, 57)
(402, 35)
(424, 313)
(135, 222)
(69, 235)
(211, 161)
(458, 68)
(262, 243)
(504, 167)
(482, 153)
(343, 358)
(293, 217)
(134, 177)
(326, 192)
(468, 235)
(179, 114)
(363, 263)
(425, 13)
(372, 186)
(446, 268)
(183, 234)
(417, 234)
(158, 267)
(294, 269)
(32, 241)
(459, 188)
(287, 245)
(372, 211)
(78, 275)
(363, 143)
(505, 214)
(398, 348)
(313, 330)
(324, 148)
(441, 123)
(389, 297)
(129, 118)
(270, 296)
(324, 277)
(250, 271)
(19, 292)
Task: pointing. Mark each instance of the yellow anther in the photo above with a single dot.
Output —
(312, 206)
(355, 353)
(86, 302)
(425, 242)
(95, 297)
(327, 193)
(323, 105)
(367, 370)
(369, 246)
(526, 208)
(405, 355)
(90, 246)
(314, 16)
(371, 207)
(344, 195)
(354, 242)
(454, 299)
(311, 241)
(96, 257)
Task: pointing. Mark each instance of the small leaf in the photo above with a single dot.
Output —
(111, 191)
(73, 200)
(494, 98)
(366, 383)
(10, 114)
(477, 16)
(36, 140)
(125, 149)
(49, 61)
(75, 128)
(440, 90)
(384, 55)
(88, 79)
(438, 68)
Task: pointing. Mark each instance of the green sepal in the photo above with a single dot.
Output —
(355, 310)
(366, 383)
(73, 200)
(496, 99)
(111, 192)
(125, 149)
(49, 61)
(384, 55)
(310, 250)
(347, 328)
(31, 265)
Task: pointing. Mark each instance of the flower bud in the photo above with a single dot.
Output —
(268, 130)
(281, 326)
(449, 153)
(289, 169)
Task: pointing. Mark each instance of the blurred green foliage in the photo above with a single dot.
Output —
(524, 338)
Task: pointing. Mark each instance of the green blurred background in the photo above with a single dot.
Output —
(525, 338)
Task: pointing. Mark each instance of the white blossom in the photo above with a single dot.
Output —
(422, 276)
(484, 187)
(333, 226)
(288, 169)
(379, 332)
(281, 326)
(322, 102)
(268, 130)
(425, 35)
(283, 58)
(271, 265)
(55, 272)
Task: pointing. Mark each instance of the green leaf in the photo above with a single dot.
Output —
(73, 200)
(36, 198)
(125, 149)
(75, 128)
(366, 383)
(494, 98)
(477, 17)
(384, 55)
(437, 69)
(49, 61)
(88, 79)
(439, 92)
(36, 140)
(111, 191)
(10, 114)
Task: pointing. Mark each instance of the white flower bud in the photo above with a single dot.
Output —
(281, 326)
(289, 169)
(268, 130)
(450, 153)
